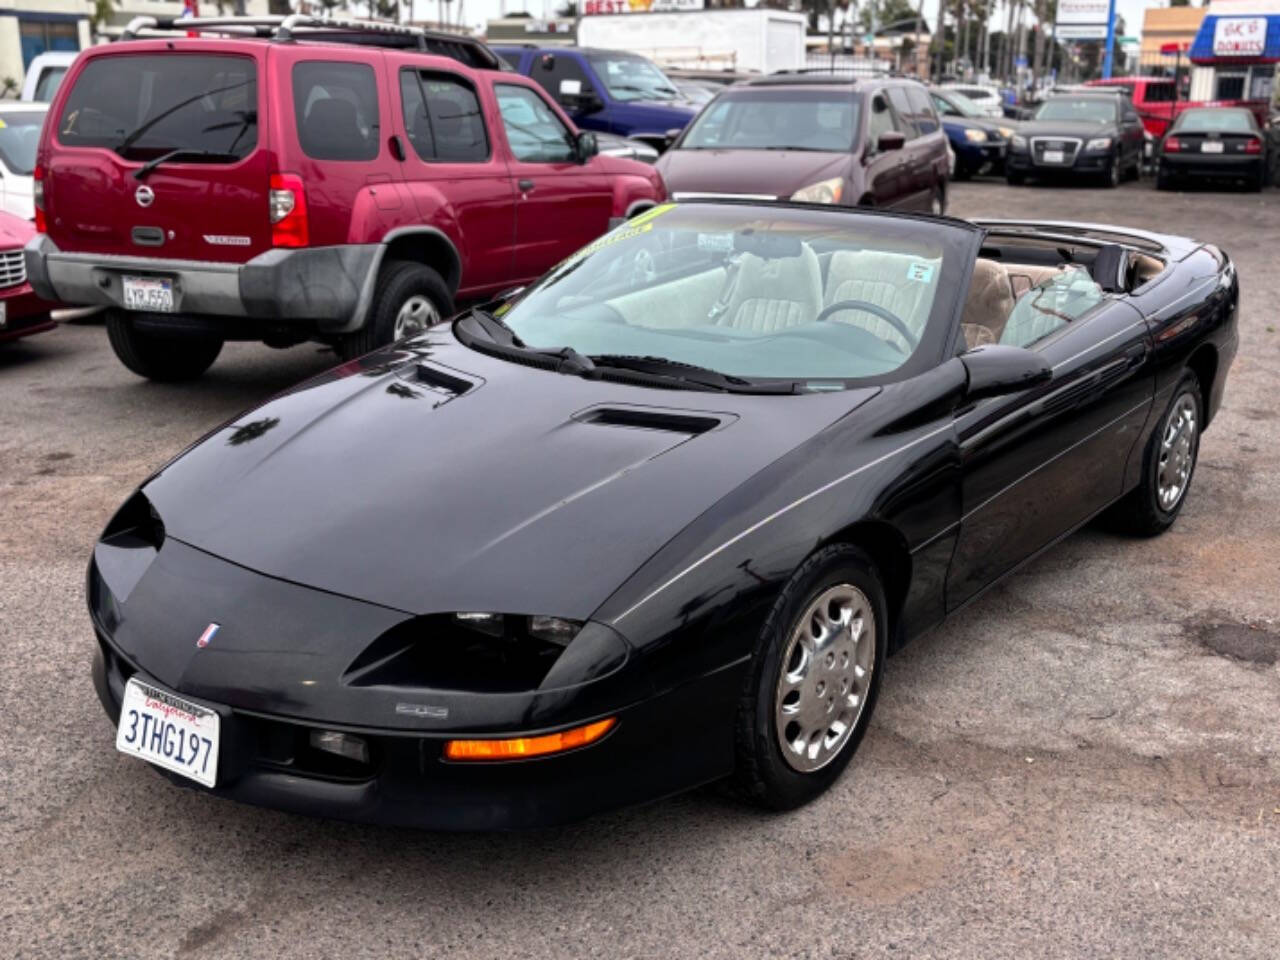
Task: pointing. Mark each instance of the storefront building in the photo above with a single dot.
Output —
(1236, 50)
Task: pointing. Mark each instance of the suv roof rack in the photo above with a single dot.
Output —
(299, 26)
(802, 76)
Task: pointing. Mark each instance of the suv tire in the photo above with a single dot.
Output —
(408, 298)
(165, 359)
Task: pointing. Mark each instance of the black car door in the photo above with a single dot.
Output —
(1038, 463)
(1131, 132)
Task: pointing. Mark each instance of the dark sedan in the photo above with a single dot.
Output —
(816, 139)
(1094, 135)
(658, 521)
(1213, 143)
(979, 142)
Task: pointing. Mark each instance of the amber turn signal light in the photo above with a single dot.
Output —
(519, 747)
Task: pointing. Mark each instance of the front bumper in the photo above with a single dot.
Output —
(25, 313)
(1083, 164)
(324, 286)
(974, 157)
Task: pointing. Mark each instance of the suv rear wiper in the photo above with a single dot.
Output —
(150, 165)
(690, 372)
(130, 138)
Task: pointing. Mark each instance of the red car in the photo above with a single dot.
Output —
(305, 180)
(22, 312)
(1157, 102)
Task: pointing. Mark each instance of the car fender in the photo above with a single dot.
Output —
(452, 273)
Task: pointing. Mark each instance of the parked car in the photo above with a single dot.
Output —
(696, 92)
(606, 90)
(1211, 143)
(22, 311)
(1158, 102)
(1096, 135)
(20, 125)
(44, 74)
(979, 143)
(390, 184)
(988, 99)
(815, 138)
(678, 506)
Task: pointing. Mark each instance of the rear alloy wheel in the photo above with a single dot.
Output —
(813, 679)
(157, 356)
(1168, 464)
(409, 298)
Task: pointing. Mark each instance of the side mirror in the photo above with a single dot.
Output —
(671, 136)
(585, 146)
(893, 140)
(997, 369)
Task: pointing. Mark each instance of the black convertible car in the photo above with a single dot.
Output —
(655, 521)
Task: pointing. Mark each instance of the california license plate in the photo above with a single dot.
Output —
(1211, 146)
(149, 294)
(1054, 156)
(164, 729)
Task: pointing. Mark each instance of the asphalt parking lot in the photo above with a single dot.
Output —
(1082, 764)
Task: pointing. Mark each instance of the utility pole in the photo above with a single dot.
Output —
(1111, 40)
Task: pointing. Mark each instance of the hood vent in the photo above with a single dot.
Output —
(437, 379)
(645, 418)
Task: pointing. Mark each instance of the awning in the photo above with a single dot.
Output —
(1238, 40)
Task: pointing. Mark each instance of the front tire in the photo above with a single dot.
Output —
(165, 359)
(813, 680)
(1111, 178)
(1168, 464)
(409, 298)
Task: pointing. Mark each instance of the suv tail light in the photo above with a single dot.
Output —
(37, 194)
(287, 204)
(1253, 145)
(1172, 145)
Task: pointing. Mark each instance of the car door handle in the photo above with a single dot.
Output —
(525, 186)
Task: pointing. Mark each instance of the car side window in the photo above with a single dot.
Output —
(922, 109)
(442, 117)
(535, 133)
(335, 106)
(879, 120)
(902, 107)
(562, 77)
(1130, 114)
(944, 108)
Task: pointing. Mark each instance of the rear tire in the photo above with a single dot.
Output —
(1015, 178)
(1163, 181)
(408, 298)
(1168, 465)
(809, 664)
(938, 203)
(165, 359)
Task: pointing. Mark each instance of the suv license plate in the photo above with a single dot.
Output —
(145, 293)
(1211, 146)
(164, 729)
(1054, 156)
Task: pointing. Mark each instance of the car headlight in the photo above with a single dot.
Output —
(556, 630)
(825, 191)
(1099, 143)
(975, 136)
(1007, 133)
(1019, 141)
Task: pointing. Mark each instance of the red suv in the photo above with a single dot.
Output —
(298, 180)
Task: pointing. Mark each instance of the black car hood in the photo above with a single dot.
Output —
(433, 478)
(1066, 128)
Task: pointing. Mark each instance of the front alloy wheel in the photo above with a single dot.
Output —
(1178, 443)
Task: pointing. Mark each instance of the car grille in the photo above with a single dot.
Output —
(13, 268)
(1068, 146)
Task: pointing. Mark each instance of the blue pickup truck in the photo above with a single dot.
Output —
(605, 90)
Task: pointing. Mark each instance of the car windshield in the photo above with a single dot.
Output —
(953, 104)
(1088, 109)
(765, 119)
(1215, 121)
(19, 138)
(633, 78)
(746, 292)
(146, 106)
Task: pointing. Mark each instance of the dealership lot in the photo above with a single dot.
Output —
(1082, 763)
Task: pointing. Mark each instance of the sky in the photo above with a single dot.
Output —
(476, 12)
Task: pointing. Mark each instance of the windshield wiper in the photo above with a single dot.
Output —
(150, 165)
(130, 138)
(690, 372)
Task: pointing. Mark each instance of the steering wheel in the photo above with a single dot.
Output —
(887, 316)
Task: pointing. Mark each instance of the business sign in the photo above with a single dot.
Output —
(641, 6)
(1239, 36)
(1092, 31)
(1082, 12)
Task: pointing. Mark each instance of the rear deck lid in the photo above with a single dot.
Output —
(197, 114)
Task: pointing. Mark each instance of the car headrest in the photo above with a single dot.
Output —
(332, 130)
(1108, 268)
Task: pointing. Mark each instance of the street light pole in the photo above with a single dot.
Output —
(1111, 40)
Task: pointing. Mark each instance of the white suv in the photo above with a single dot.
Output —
(986, 99)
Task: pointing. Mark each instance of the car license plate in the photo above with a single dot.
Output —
(1211, 146)
(164, 729)
(146, 293)
(1054, 156)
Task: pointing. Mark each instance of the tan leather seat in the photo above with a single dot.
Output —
(772, 295)
(987, 307)
(890, 280)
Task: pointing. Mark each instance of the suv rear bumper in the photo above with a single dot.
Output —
(329, 287)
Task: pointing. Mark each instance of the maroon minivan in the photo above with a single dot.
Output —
(305, 180)
(818, 138)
